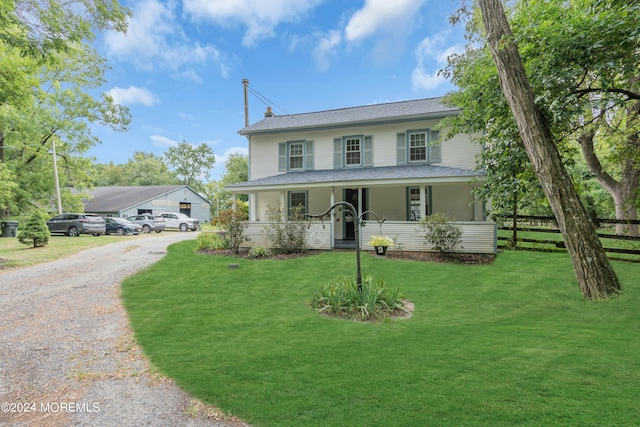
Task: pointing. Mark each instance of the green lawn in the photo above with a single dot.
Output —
(511, 343)
(16, 254)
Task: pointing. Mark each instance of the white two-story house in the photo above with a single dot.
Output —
(386, 158)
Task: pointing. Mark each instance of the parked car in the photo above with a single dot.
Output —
(75, 224)
(180, 221)
(149, 222)
(121, 226)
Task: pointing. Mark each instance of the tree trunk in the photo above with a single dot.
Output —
(624, 191)
(595, 275)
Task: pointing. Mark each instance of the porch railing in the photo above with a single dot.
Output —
(477, 236)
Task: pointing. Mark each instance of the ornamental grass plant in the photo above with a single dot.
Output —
(502, 344)
(370, 301)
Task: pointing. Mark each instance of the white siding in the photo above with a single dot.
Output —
(458, 152)
(477, 237)
(318, 236)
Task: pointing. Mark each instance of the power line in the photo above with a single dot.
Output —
(266, 101)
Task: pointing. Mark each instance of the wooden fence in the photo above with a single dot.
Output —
(522, 232)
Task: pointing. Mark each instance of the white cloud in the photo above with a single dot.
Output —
(326, 50)
(260, 17)
(396, 16)
(431, 56)
(387, 22)
(133, 95)
(162, 141)
(155, 40)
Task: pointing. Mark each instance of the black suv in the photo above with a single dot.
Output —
(75, 224)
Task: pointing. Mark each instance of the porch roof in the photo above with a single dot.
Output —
(386, 175)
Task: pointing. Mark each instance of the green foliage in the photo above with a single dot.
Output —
(35, 231)
(342, 298)
(142, 169)
(441, 232)
(581, 60)
(211, 241)
(286, 234)
(259, 252)
(236, 169)
(234, 223)
(191, 162)
(52, 100)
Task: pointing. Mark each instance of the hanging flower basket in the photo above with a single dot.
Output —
(381, 243)
(381, 250)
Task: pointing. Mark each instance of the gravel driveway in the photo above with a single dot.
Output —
(67, 355)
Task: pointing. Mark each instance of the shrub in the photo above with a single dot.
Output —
(259, 252)
(286, 234)
(441, 232)
(342, 298)
(35, 231)
(211, 241)
(234, 223)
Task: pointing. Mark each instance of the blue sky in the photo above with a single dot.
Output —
(180, 66)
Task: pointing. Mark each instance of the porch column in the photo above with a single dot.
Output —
(283, 203)
(233, 202)
(423, 202)
(252, 207)
(332, 232)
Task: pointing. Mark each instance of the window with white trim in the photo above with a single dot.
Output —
(418, 147)
(296, 156)
(353, 151)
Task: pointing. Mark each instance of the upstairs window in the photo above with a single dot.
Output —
(352, 151)
(296, 156)
(418, 147)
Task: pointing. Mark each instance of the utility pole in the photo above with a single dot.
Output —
(245, 84)
(55, 174)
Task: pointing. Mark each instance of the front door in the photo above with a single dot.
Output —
(351, 196)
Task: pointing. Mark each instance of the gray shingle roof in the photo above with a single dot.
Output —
(378, 113)
(408, 172)
(115, 199)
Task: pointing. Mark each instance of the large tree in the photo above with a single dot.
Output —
(61, 112)
(236, 169)
(581, 59)
(192, 164)
(47, 69)
(142, 169)
(595, 275)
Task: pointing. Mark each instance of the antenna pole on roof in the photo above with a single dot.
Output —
(245, 83)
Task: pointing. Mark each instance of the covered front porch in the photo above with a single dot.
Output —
(399, 195)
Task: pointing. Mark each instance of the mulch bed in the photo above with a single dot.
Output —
(460, 258)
